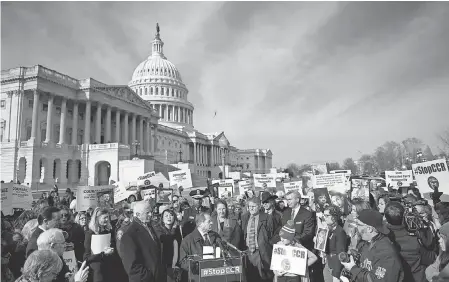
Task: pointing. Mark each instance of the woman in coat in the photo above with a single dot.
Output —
(169, 234)
(226, 226)
(101, 264)
(75, 232)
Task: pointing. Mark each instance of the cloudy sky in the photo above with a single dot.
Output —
(311, 81)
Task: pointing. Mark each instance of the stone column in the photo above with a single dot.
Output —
(117, 126)
(87, 115)
(142, 140)
(194, 153)
(179, 114)
(191, 119)
(154, 140)
(62, 123)
(107, 138)
(126, 129)
(98, 124)
(48, 135)
(75, 124)
(166, 112)
(148, 134)
(35, 120)
(133, 128)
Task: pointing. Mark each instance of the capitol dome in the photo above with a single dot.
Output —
(158, 81)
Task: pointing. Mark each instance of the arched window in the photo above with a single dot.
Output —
(172, 91)
(146, 91)
(151, 90)
(157, 90)
(162, 90)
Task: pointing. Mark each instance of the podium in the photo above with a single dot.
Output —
(229, 269)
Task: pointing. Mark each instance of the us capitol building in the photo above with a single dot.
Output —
(59, 130)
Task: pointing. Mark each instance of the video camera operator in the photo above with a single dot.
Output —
(379, 261)
(416, 257)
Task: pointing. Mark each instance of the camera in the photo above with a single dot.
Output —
(345, 257)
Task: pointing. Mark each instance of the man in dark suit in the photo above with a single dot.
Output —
(258, 230)
(49, 218)
(268, 202)
(303, 220)
(188, 219)
(139, 247)
(192, 245)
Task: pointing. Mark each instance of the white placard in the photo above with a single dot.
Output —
(333, 182)
(70, 260)
(7, 208)
(120, 192)
(289, 259)
(432, 174)
(264, 180)
(146, 179)
(244, 186)
(148, 193)
(399, 178)
(21, 196)
(86, 196)
(181, 178)
(293, 186)
(100, 242)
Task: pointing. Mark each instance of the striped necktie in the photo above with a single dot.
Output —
(252, 234)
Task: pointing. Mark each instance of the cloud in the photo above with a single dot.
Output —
(310, 81)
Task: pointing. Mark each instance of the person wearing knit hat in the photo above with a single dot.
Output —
(287, 236)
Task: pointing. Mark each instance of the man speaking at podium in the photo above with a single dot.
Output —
(192, 245)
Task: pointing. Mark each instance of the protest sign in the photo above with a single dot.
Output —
(333, 182)
(100, 242)
(21, 196)
(293, 186)
(264, 180)
(165, 196)
(70, 260)
(181, 178)
(244, 186)
(145, 179)
(289, 259)
(7, 208)
(321, 239)
(148, 193)
(432, 175)
(86, 196)
(120, 192)
(398, 179)
(318, 169)
(225, 188)
(360, 189)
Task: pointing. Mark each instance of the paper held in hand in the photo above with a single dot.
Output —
(99, 243)
(289, 259)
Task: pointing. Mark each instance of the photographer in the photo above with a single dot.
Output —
(379, 260)
(412, 252)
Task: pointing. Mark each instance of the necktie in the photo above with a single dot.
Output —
(293, 214)
(252, 234)
(207, 240)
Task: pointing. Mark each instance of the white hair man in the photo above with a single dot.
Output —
(53, 239)
(139, 247)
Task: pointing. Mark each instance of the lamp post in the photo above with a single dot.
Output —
(224, 144)
(136, 145)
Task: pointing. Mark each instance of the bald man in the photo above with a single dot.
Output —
(139, 247)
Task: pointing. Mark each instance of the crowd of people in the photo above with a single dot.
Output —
(393, 237)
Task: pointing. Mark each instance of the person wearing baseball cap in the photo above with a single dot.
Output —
(379, 259)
